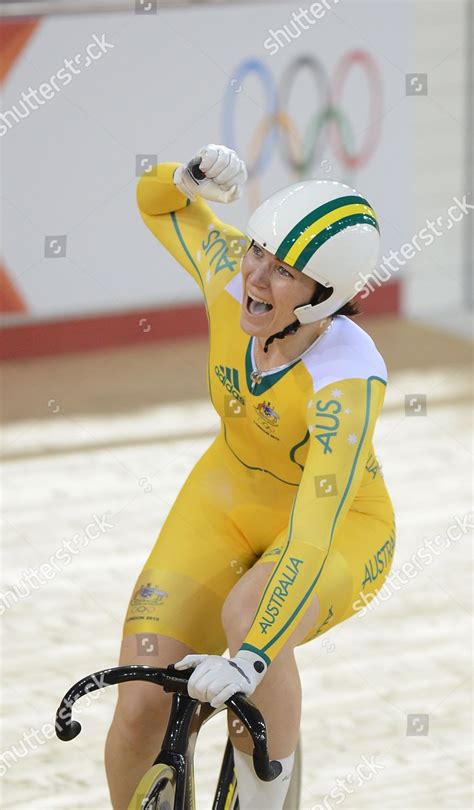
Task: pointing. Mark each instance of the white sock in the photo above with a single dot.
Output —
(253, 793)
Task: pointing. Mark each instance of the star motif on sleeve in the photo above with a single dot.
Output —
(208, 276)
(352, 438)
(347, 410)
(309, 403)
(310, 428)
(336, 392)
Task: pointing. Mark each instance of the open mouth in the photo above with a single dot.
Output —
(256, 306)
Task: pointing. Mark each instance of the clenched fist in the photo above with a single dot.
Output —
(215, 173)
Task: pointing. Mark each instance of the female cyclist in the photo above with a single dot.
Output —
(285, 521)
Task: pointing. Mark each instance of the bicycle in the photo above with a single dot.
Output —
(169, 783)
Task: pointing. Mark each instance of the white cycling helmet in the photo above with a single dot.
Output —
(325, 229)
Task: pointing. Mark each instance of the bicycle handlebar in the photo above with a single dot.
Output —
(172, 680)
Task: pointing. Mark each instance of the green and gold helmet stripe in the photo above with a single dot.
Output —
(319, 225)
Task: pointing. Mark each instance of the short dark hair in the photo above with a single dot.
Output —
(350, 309)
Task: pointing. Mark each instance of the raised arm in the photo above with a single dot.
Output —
(172, 206)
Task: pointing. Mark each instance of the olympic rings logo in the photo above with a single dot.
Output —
(300, 154)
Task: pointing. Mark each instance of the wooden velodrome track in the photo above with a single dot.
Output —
(117, 432)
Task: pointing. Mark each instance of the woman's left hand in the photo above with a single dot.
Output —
(215, 678)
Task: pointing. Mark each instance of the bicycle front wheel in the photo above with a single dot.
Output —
(156, 790)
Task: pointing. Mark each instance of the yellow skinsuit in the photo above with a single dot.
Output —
(292, 477)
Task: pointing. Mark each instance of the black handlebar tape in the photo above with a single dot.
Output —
(67, 731)
(265, 770)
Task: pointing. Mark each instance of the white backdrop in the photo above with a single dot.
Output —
(435, 287)
(69, 167)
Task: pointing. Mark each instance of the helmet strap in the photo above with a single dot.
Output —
(317, 297)
(288, 330)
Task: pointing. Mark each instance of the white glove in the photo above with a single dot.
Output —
(225, 175)
(215, 678)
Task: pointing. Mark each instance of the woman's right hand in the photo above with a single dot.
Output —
(225, 175)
